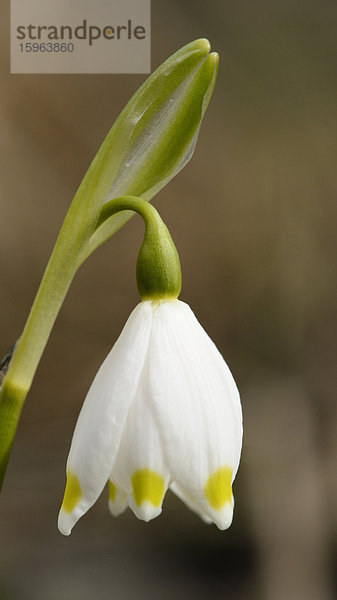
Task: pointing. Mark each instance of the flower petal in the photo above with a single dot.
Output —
(181, 494)
(100, 424)
(117, 500)
(140, 469)
(198, 410)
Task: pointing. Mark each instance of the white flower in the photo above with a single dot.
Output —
(163, 412)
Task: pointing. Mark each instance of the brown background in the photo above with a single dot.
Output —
(253, 216)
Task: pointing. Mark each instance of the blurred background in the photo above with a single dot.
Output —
(253, 217)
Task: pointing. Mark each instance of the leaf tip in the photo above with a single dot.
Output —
(214, 56)
(203, 44)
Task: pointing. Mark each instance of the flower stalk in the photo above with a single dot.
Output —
(158, 275)
(158, 266)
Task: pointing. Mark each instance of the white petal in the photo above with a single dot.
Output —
(189, 502)
(140, 469)
(100, 425)
(117, 500)
(197, 408)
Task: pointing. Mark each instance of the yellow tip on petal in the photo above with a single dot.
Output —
(218, 488)
(112, 491)
(148, 486)
(73, 493)
(117, 500)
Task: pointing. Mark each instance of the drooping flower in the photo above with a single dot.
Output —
(163, 412)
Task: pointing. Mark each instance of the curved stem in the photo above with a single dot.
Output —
(126, 205)
(146, 210)
(73, 246)
(158, 265)
(57, 278)
(66, 258)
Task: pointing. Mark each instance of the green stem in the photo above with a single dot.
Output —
(58, 276)
(75, 243)
(158, 264)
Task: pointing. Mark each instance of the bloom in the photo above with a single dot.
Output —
(163, 412)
